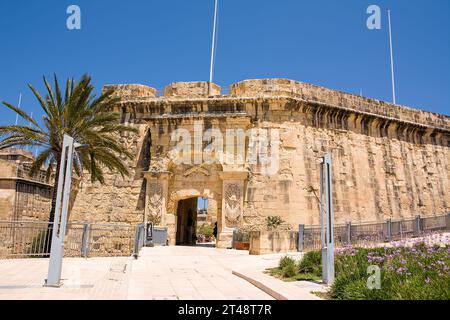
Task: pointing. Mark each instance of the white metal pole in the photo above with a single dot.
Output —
(392, 58)
(213, 45)
(17, 115)
(61, 212)
(327, 219)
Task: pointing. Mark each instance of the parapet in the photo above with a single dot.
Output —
(281, 88)
(322, 95)
(191, 89)
(13, 154)
(258, 87)
(131, 90)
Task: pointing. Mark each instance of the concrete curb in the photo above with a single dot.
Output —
(274, 294)
(278, 289)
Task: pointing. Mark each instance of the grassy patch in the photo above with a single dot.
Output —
(280, 274)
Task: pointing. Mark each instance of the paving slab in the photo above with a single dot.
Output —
(160, 273)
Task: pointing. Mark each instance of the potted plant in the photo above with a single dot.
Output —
(241, 240)
(205, 233)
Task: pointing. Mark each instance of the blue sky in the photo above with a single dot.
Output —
(156, 42)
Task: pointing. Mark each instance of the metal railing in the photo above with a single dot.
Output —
(23, 171)
(371, 233)
(29, 239)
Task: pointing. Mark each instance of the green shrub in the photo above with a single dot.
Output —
(354, 290)
(206, 229)
(285, 261)
(420, 272)
(311, 263)
(287, 267)
(290, 270)
(242, 235)
(407, 273)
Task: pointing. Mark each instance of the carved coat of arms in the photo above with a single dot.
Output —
(155, 203)
(233, 210)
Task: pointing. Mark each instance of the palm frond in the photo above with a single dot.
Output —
(40, 161)
(84, 116)
(21, 113)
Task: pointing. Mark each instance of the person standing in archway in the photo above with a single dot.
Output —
(215, 230)
(191, 236)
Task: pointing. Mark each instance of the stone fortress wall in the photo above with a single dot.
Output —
(389, 161)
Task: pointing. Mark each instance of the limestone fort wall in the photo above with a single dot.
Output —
(389, 161)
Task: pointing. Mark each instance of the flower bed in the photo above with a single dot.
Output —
(408, 271)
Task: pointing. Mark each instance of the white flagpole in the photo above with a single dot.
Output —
(31, 115)
(392, 59)
(211, 69)
(17, 115)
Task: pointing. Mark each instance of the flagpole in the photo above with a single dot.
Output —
(211, 69)
(392, 59)
(17, 115)
(29, 125)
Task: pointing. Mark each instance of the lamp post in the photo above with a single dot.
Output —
(61, 211)
(327, 217)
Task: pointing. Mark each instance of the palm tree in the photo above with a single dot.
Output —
(79, 114)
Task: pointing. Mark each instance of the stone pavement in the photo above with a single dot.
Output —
(94, 278)
(159, 273)
(190, 273)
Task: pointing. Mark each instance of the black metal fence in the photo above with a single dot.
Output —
(362, 234)
(31, 239)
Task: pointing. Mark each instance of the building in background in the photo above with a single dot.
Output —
(22, 197)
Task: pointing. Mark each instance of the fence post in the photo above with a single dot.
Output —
(301, 238)
(389, 230)
(138, 240)
(417, 226)
(85, 240)
(349, 233)
(447, 221)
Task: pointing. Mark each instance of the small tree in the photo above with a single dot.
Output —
(79, 114)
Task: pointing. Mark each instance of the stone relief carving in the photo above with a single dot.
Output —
(171, 204)
(233, 207)
(198, 170)
(155, 203)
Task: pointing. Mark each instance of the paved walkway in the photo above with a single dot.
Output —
(95, 278)
(190, 273)
(159, 273)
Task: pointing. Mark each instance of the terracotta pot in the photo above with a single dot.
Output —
(239, 245)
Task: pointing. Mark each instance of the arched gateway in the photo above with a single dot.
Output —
(255, 153)
(224, 189)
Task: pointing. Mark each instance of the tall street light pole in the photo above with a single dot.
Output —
(61, 212)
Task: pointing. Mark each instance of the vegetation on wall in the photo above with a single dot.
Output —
(273, 222)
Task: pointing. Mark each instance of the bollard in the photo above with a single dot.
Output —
(417, 227)
(85, 240)
(349, 233)
(301, 238)
(389, 230)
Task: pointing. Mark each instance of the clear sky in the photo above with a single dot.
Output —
(156, 42)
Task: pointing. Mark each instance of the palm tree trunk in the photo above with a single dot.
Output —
(51, 219)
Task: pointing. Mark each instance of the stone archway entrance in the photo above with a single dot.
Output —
(166, 190)
(187, 222)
